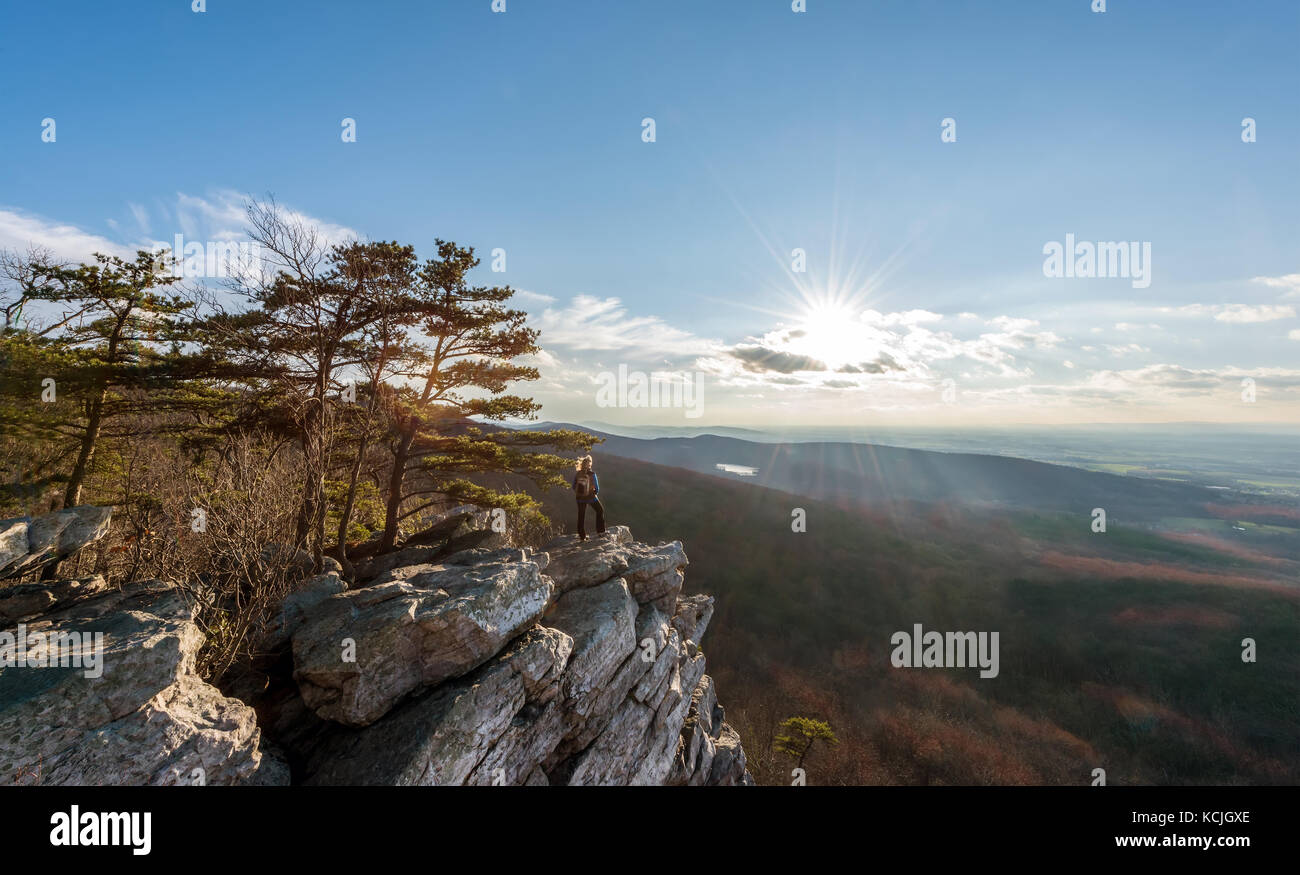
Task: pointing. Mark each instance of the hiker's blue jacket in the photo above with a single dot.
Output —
(595, 488)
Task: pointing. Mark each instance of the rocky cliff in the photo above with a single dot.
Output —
(455, 660)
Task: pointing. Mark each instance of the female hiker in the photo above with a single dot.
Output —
(586, 488)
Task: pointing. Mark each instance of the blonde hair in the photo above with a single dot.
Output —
(583, 464)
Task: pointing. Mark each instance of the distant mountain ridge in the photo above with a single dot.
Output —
(871, 475)
(656, 431)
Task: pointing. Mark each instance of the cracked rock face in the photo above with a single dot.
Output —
(27, 544)
(144, 717)
(358, 653)
(600, 681)
(443, 736)
(27, 600)
(461, 661)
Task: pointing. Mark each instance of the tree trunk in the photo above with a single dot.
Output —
(312, 484)
(395, 480)
(72, 496)
(307, 512)
(400, 457)
(345, 515)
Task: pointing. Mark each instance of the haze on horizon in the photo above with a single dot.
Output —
(800, 236)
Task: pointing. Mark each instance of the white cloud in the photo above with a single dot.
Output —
(906, 317)
(1290, 282)
(526, 297)
(141, 216)
(20, 231)
(590, 323)
(1236, 313)
(1243, 313)
(221, 217)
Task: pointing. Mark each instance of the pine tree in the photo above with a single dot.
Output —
(799, 734)
(112, 348)
(463, 371)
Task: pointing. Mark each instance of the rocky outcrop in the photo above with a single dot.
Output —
(103, 690)
(358, 653)
(454, 660)
(711, 751)
(443, 736)
(594, 674)
(27, 544)
(26, 600)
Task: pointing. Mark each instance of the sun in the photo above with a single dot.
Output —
(831, 331)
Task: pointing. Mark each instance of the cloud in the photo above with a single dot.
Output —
(882, 363)
(1293, 334)
(1152, 387)
(760, 359)
(141, 216)
(1239, 314)
(888, 346)
(220, 216)
(1242, 313)
(20, 231)
(1290, 282)
(903, 318)
(590, 323)
(1019, 333)
(204, 219)
(526, 297)
(1156, 381)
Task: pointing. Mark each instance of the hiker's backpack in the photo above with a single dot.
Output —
(582, 485)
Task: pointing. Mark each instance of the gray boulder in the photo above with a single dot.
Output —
(295, 607)
(400, 559)
(133, 710)
(602, 623)
(27, 544)
(710, 753)
(28, 600)
(653, 574)
(440, 738)
(357, 654)
(692, 616)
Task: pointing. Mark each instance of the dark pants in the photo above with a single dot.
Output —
(582, 517)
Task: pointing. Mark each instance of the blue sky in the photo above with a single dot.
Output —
(774, 130)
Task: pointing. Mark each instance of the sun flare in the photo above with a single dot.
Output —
(831, 332)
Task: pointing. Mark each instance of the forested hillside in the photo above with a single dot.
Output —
(1118, 651)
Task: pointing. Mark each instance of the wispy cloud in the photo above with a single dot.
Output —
(590, 323)
(220, 216)
(525, 297)
(20, 231)
(203, 218)
(1244, 313)
(1236, 313)
(1289, 283)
